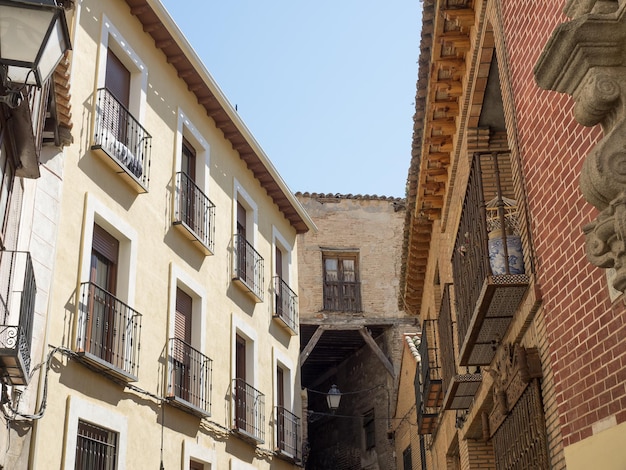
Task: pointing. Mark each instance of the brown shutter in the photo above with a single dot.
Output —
(117, 79)
(182, 322)
(240, 358)
(105, 244)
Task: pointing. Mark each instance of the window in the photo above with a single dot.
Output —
(108, 328)
(342, 289)
(248, 263)
(120, 104)
(248, 405)
(96, 447)
(189, 369)
(193, 211)
(285, 299)
(369, 429)
(193, 465)
(407, 464)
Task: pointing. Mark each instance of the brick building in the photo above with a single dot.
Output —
(351, 328)
(529, 366)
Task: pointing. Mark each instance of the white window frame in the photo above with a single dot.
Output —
(108, 418)
(110, 37)
(186, 129)
(97, 212)
(207, 457)
(252, 213)
(280, 242)
(241, 328)
(180, 279)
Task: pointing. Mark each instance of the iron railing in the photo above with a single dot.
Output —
(286, 304)
(194, 209)
(121, 136)
(96, 447)
(484, 300)
(189, 375)
(470, 259)
(341, 296)
(430, 368)
(249, 266)
(249, 405)
(17, 304)
(108, 329)
(446, 339)
(287, 433)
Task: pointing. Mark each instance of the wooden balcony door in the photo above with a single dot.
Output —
(188, 190)
(241, 242)
(101, 316)
(117, 81)
(240, 387)
(280, 404)
(182, 332)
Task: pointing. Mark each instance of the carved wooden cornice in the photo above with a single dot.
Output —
(586, 58)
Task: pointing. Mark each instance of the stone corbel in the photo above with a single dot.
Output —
(586, 58)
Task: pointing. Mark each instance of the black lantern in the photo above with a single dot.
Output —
(33, 38)
(333, 397)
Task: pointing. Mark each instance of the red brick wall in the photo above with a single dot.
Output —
(585, 332)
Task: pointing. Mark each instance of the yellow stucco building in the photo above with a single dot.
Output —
(172, 326)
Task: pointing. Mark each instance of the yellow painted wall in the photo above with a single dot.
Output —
(160, 251)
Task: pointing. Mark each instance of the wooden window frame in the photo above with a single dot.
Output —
(335, 293)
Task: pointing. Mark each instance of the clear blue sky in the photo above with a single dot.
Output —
(327, 87)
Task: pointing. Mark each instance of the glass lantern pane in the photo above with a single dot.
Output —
(22, 31)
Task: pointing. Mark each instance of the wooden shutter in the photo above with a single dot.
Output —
(279, 263)
(105, 244)
(117, 79)
(182, 322)
(241, 220)
(240, 358)
(280, 387)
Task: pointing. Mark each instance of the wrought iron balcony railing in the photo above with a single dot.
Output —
(459, 389)
(428, 380)
(288, 434)
(249, 267)
(286, 307)
(249, 411)
(488, 268)
(120, 136)
(189, 378)
(342, 296)
(17, 302)
(108, 332)
(194, 211)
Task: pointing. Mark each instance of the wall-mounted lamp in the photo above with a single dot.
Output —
(33, 38)
(333, 397)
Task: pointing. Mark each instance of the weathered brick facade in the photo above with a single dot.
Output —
(567, 317)
(368, 229)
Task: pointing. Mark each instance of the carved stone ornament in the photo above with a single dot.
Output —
(586, 58)
(514, 367)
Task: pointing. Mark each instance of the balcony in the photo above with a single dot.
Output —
(249, 412)
(248, 269)
(287, 435)
(121, 141)
(194, 213)
(189, 378)
(17, 301)
(286, 307)
(459, 389)
(431, 392)
(487, 262)
(108, 333)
